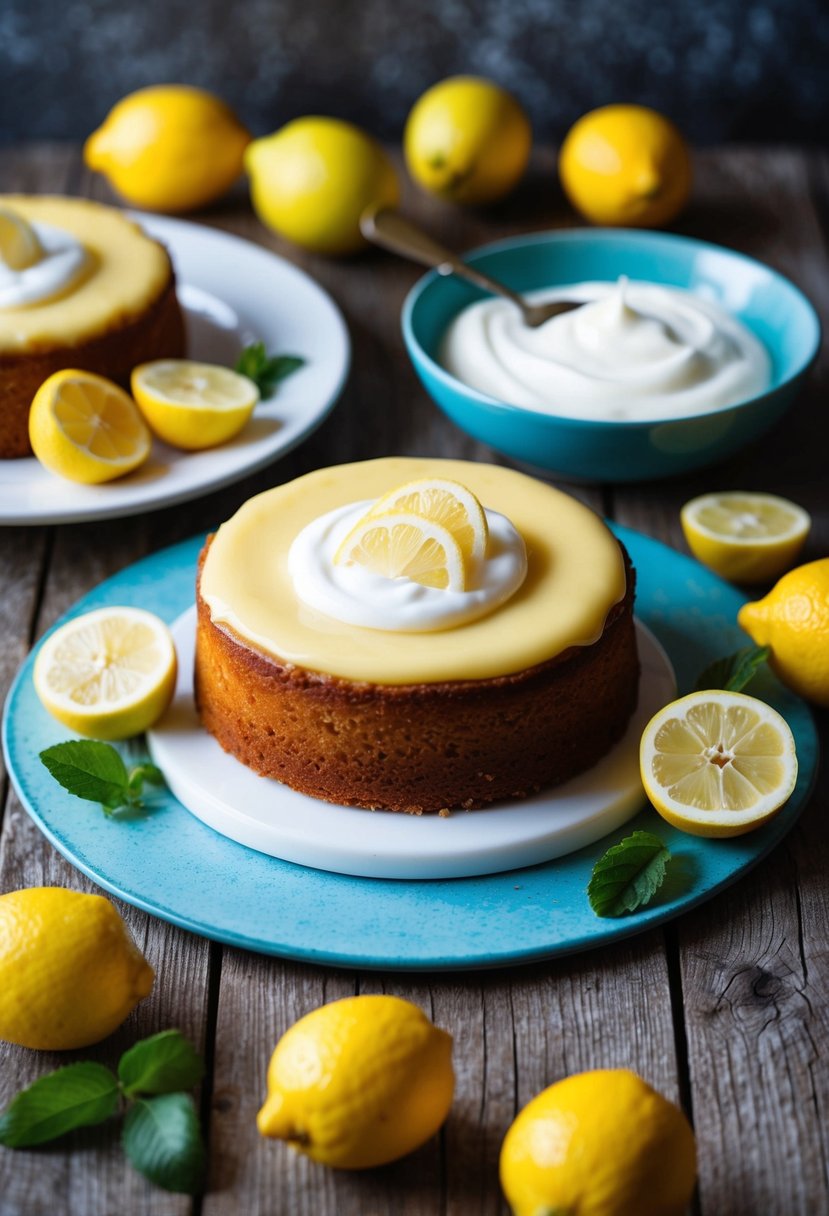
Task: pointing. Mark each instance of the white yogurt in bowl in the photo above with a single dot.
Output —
(633, 352)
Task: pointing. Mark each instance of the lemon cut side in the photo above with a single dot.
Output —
(87, 429)
(444, 502)
(193, 405)
(404, 545)
(718, 763)
(746, 537)
(108, 674)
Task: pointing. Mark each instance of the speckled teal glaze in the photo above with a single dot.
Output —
(174, 867)
(766, 302)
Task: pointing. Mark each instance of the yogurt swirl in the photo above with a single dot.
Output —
(356, 596)
(633, 352)
(64, 262)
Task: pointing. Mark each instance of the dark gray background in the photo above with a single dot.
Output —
(723, 69)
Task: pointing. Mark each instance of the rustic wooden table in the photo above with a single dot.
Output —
(725, 1010)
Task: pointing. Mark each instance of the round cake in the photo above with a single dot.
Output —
(96, 294)
(380, 692)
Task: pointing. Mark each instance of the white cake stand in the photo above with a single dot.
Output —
(272, 818)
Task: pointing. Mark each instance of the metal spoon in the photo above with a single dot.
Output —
(388, 228)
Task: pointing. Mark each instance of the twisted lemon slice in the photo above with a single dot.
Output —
(432, 531)
(444, 502)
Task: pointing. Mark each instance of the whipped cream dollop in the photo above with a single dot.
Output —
(354, 595)
(633, 352)
(65, 261)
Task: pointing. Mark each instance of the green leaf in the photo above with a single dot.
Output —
(163, 1141)
(629, 875)
(160, 1065)
(735, 671)
(266, 371)
(75, 1096)
(140, 774)
(90, 770)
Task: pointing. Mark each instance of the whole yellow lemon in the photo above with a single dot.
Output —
(313, 179)
(467, 140)
(625, 165)
(359, 1082)
(793, 619)
(599, 1143)
(69, 969)
(169, 148)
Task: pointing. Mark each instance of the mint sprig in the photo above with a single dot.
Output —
(266, 371)
(734, 671)
(161, 1133)
(95, 771)
(628, 875)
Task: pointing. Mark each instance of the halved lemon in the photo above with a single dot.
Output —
(107, 674)
(747, 537)
(444, 502)
(718, 763)
(19, 244)
(193, 405)
(87, 429)
(404, 545)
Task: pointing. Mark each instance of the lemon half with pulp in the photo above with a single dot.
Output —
(107, 674)
(718, 763)
(745, 536)
(193, 405)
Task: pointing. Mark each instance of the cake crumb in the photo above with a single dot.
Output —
(444, 812)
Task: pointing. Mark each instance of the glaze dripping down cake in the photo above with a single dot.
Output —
(389, 693)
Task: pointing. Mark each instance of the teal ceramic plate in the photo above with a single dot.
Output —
(168, 863)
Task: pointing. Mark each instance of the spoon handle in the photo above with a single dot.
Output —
(394, 232)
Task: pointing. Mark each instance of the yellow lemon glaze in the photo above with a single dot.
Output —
(575, 576)
(128, 271)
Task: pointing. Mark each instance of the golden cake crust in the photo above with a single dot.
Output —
(157, 333)
(418, 747)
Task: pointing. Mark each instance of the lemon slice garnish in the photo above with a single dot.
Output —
(404, 545)
(444, 502)
(193, 405)
(19, 245)
(717, 763)
(107, 674)
(86, 428)
(748, 537)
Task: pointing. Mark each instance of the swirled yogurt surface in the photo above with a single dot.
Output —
(350, 593)
(64, 263)
(633, 352)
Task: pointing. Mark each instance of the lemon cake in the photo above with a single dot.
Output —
(81, 286)
(415, 635)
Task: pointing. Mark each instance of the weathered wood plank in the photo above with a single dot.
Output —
(754, 962)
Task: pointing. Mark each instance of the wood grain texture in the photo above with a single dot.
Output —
(754, 963)
(726, 1010)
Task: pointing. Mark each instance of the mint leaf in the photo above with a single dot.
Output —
(160, 1064)
(735, 671)
(266, 371)
(140, 774)
(89, 769)
(75, 1096)
(162, 1139)
(629, 874)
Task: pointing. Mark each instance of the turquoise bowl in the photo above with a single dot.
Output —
(766, 302)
